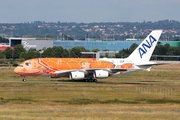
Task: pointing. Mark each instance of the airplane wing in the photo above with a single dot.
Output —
(87, 71)
(68, 71)
(140, 66)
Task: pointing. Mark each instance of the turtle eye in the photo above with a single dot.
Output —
(27, 63)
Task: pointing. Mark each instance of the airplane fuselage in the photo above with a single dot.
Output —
(92, 68)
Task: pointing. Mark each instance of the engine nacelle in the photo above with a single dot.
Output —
(76, 75)
(101, 74)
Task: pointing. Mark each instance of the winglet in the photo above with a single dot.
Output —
(144, 51)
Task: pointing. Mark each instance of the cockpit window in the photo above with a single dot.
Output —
(27, 63)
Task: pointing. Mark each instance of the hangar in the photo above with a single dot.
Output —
(31, 43)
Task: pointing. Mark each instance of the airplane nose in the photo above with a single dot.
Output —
(16, 70)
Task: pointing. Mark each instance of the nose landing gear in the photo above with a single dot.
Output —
(24, 79)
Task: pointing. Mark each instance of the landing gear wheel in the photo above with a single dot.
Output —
(24, 79)
(90, 80)
(95, 80)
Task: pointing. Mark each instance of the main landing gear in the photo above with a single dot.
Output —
(90, 80)
(85, 80)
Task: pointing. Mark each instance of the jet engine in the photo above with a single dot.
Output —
(76, 75)
(101, 74)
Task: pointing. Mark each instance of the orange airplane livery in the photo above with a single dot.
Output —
(90, 69)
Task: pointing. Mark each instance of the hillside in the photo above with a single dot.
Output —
(103, 31)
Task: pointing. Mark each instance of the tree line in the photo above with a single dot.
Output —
(19, 52)
(160, 49)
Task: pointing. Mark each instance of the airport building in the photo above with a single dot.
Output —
(31, 43)
(68, 44)
(109, 48)
(115, 46)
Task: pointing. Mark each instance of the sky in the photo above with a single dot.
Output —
(88, 11)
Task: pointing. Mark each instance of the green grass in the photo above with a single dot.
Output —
(138, 95)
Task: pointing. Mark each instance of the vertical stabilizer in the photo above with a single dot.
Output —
(144, 51)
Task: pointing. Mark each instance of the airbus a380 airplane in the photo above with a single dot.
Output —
(91, 68)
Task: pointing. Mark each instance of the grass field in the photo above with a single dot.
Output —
(139, 95)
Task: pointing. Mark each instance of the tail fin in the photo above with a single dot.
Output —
(144, 51)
